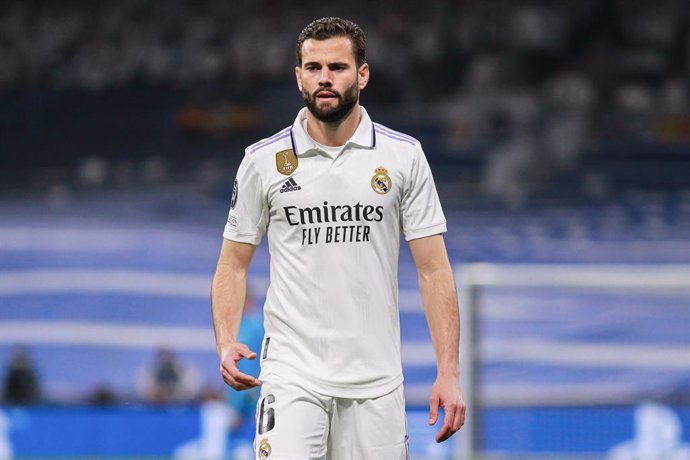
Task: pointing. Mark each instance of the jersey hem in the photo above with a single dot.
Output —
(349, 391)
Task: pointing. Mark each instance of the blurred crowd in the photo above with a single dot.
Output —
(166, 379)
(530, 83)
(629, 52)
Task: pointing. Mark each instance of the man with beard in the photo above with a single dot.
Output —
(331, 374)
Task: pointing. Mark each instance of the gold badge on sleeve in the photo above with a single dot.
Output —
(264, 449)
(381, 182)
(286, 162)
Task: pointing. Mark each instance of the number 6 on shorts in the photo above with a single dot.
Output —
(266, 415)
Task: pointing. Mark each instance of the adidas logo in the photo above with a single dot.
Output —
(290, 186)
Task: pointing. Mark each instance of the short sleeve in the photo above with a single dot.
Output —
(421, 210)
(248, 214)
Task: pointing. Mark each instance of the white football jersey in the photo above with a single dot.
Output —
(334, 221)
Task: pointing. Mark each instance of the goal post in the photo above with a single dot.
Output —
(471, 279)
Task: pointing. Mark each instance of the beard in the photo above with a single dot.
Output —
(346, 102)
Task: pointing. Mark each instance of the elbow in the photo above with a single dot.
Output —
(433, 272)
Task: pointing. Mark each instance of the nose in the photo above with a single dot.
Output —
(326, 77)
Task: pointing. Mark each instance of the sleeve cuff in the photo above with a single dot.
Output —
(413, 234)
(242, 238)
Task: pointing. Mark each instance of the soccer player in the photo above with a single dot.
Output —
(334, 192)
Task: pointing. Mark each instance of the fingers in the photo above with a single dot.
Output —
(453, 420)
(240, 377)
(433, 410)
(447, 430)
(237, 379)
(459, 416)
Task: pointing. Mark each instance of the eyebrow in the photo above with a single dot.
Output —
(337, 63)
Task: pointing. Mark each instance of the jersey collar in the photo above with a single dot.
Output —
(364, 135)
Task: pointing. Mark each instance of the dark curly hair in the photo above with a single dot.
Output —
(325, 28)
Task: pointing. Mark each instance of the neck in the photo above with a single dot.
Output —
(333, 134)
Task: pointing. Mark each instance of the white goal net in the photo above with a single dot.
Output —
(582, 335)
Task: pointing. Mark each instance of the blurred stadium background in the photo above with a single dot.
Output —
(559, 136)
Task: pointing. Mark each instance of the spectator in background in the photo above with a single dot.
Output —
(102, 395)
(243, 403)
(21, 385)
(168, 380)
(227, 423)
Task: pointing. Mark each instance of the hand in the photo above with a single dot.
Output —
(446, 393)
(230, 355)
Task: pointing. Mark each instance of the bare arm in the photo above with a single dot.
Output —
(228, 294)
(439, 299)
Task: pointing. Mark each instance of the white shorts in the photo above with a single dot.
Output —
(293, 423)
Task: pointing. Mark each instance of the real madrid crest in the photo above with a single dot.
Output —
(381, 182)
(264, 449)
(286, 162)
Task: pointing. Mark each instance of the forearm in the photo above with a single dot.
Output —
(227, 300)
(439, 299)
(440, 302)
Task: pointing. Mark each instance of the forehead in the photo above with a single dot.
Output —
(335, 49)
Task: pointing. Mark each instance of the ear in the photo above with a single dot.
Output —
(363, 76)
(298, 77)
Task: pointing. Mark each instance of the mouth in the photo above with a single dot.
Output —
(326, 95)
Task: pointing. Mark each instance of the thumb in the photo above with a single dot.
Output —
(433, 410)
(244, 352)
